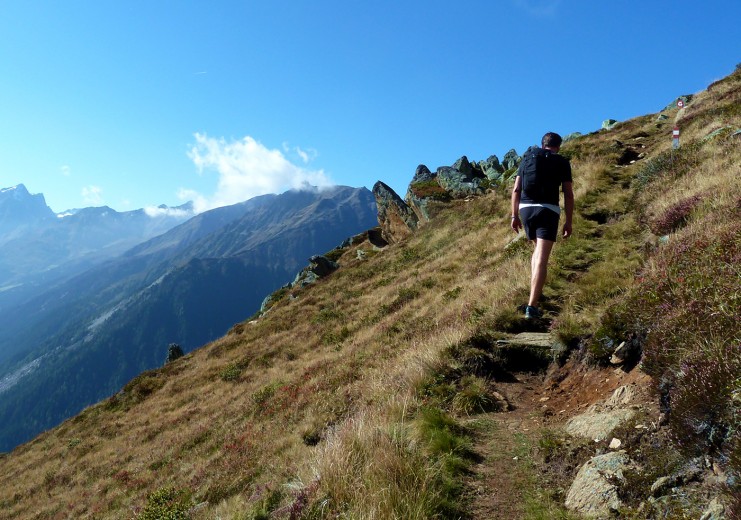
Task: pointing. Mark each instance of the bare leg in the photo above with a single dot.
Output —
(539, 264)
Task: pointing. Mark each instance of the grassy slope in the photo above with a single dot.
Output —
(347, 399)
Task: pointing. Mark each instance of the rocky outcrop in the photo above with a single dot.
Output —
(396, 218)
(511, 160)
(319, 267)
(461, 180)
(428, 191)
(492, 168)
(594, 492)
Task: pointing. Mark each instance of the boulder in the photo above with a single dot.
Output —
(464, 166)
(594, 492)
(599, 420)
(608, 124)
(492, 168)
(572, 135)
(174, 351)
(423, 174)
(319, 267)
(397, 220)
(714, 511)
(511, 160)
(459, 184)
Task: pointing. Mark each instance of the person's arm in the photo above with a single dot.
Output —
(516, 190)
(568, 202)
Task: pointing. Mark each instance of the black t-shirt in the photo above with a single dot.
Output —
(559, 171)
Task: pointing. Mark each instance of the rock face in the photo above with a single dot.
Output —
(600, 419)
(511, 160)
(319, 267)
(396, 218)
(461, 180)
(593, 492)
(492, 168)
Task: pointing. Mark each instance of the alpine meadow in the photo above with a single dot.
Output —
(406, 384)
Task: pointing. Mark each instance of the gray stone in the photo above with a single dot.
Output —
(319, 267)
(594, 492)
(720, 131)
(492, 168)
(457, 183)
(529, 351)
(423, 174)
(464, 166)
(662, 117)
(663, 485)
(608, 124)
(511, 160)
(572, 135)
(714, 511)
(396, 218)
(599, 420)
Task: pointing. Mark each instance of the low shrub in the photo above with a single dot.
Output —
(167, 504)
(675, 216)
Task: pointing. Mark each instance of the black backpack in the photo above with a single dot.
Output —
(539, 173)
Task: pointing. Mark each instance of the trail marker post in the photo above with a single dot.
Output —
(675, 138)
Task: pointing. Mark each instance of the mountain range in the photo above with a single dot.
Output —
(409, 384)
(77, 339)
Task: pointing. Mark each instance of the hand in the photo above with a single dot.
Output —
(567, 229)
(516, 224)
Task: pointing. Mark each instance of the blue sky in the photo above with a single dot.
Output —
(138, 103)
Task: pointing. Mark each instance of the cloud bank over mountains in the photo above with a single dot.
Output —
(246, 169)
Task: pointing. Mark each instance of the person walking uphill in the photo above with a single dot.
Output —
(535, 207)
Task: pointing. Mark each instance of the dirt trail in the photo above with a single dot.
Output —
(505, 478)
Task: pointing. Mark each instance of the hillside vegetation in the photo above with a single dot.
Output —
(379, 392)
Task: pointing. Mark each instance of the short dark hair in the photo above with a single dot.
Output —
(551, 139)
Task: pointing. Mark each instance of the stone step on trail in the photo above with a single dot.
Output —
(530, 351)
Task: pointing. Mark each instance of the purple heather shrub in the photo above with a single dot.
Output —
(687, 302)
(675, 216)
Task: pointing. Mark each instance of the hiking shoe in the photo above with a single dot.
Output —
(532, 312)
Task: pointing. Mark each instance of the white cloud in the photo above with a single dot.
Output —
(246, 169)
(306, 156)
(66, 170)
(92, 195)
(154, 212)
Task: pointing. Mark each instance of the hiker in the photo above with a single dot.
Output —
(535, 200)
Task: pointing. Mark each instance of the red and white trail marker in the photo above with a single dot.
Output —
(675, 137)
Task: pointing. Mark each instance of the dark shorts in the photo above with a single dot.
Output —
(539, 222)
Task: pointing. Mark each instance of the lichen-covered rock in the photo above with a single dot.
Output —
(422, 174)
(511, 160)
(594, 492)
(491, 168)
(396, 218)
(459, 184)
(598, 421)
(319, 267)
(608, 124)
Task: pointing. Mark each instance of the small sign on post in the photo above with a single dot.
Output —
(675, 137)
(680, 103)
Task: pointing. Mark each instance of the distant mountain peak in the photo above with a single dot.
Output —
(16, 191)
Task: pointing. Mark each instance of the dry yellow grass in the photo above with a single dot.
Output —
(316, 401)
